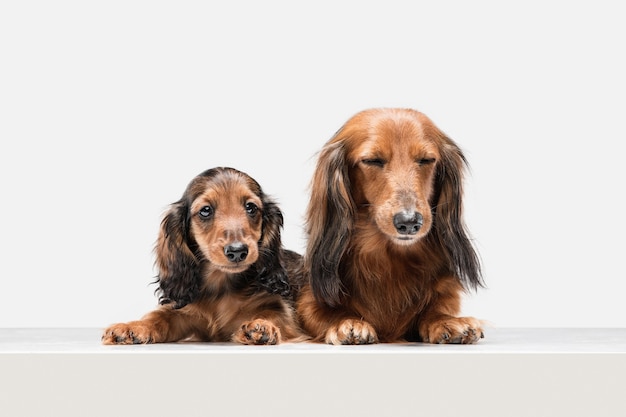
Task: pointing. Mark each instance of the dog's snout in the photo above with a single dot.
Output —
(236, 252)
(408, 223)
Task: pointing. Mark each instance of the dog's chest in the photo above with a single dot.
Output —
(225, 313)
(389, 299)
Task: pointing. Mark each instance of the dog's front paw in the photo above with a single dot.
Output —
(257, 332)
(351, 332)
(460, 330)
(128, 334)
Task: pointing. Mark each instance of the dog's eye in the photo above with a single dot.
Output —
(251, 209)
(206, 212)
(378, 162)
(425, 161)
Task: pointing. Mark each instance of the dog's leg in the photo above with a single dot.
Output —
(335, 327)
(439, 322)
(162, 325)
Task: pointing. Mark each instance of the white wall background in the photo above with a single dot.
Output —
(108, 109)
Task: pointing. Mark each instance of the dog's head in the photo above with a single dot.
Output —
(396, 176)
(224, 226)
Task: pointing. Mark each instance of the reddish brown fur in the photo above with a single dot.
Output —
(205, 295)
(365, 280)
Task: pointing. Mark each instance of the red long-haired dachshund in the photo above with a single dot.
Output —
(223, 274)
(388, 255)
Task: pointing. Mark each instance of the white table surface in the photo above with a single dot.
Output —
(512, 372)
(497, 340)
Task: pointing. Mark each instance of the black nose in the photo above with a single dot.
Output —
(236, 252)
(408, 223)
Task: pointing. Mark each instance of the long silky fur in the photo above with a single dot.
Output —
(179, 268)
(330, 213)
(449, 227)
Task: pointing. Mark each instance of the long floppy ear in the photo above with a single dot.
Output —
(448, 211)
(179, 276)
(269, 271)
(330, 221)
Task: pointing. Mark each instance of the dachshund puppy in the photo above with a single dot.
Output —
(223, 274)
(388, 256)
